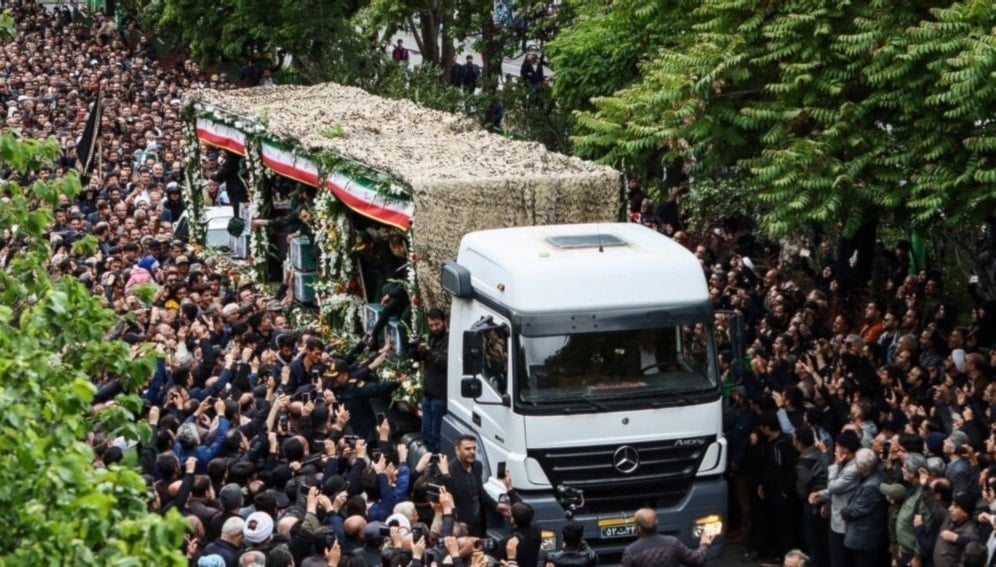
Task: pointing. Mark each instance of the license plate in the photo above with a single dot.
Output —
(611, 528)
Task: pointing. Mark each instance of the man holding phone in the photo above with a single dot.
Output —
(356, 394)
(465, 483)
(433, 354)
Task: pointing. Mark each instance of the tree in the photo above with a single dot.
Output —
(56, 508)
(282, 32)
(825, 112)
(600, 48)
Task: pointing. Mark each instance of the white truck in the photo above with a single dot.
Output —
(582, 356)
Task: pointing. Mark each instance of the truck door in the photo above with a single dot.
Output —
(492, 414)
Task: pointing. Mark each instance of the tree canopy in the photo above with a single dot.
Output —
(823, 111)
(233, 30)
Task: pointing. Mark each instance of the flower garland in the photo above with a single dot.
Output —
(259, 239)
(193, 186)
(339, 304)
(419, 325)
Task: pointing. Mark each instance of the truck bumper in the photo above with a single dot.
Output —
(707, 497)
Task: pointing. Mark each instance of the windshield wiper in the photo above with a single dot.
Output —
(670, 397)
(595, 404)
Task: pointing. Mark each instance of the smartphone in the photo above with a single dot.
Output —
(501, 469)
(380, 419)
(432, 492)
(434, 459)
(417, 533)
(376, 456)
(350, 440)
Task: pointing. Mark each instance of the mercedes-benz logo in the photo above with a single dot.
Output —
(626, 459)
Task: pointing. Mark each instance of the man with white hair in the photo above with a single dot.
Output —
(867, 515)
(253, 559)
(795, 558)
(229, 543)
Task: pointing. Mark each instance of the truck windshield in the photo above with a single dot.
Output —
(650, 364)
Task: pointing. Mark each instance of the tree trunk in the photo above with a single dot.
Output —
(491, 49)
(448, 55)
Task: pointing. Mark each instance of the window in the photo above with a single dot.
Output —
(604, 366)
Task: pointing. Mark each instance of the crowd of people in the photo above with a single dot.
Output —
(861, 426)
(272, 442)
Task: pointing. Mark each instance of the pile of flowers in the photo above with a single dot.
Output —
(407, 372)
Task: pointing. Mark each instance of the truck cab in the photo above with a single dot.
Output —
(582, 357)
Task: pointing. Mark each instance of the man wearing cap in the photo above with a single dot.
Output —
(961, 473)
(913, 504)
(352, 388)
(958, 529)
(843, 479)
(866, 515)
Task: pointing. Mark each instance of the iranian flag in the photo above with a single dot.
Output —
(221, 136)
(357, 194)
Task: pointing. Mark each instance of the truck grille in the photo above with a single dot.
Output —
(661, 479)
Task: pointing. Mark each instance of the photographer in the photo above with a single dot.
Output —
(526, 536)
(575, 552)
(433, 353)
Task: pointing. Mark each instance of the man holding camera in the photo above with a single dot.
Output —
(433, 353)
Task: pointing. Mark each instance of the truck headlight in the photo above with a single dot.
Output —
(712, 523)
(548, 540)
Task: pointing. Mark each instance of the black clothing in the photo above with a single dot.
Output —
(468, 494)
(435, 365)
(356, 395)
(583, 556)
(528, 550)
(227, 551)
(228, 174)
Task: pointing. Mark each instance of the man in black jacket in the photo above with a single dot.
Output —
(465, 482)
(528, 537)
(433, 353)
(228, 174)
(576, 552)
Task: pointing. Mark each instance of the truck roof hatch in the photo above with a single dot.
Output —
(574, 241)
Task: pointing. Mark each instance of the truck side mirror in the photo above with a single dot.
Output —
(473, 353)
(471, 388)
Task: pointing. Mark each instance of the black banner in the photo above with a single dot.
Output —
(86, 147)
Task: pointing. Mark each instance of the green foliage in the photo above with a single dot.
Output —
(830, 112)
(56, 508)
(230, 30)
(530, 114)
(601, 51)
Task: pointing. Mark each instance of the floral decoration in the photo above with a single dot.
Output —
(408, 373)
(340, 300)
